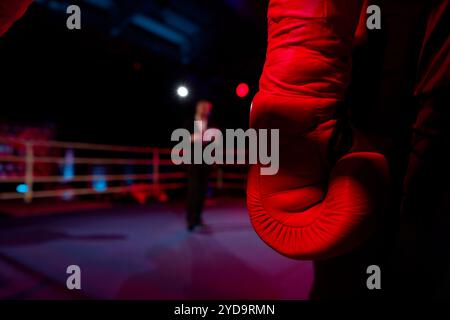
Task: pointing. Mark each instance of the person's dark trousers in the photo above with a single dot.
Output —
(423, 254)
(197, 187)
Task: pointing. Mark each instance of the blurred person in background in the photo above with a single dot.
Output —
(198, 174)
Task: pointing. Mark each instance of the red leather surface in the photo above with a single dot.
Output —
(310, 210)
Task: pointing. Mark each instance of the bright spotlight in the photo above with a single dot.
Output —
(182, 92)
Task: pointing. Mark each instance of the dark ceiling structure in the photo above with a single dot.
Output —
(122, 68)
(178, 29)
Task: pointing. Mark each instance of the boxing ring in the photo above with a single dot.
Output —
(155, 172)
(132, 250)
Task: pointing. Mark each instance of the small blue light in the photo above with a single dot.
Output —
(68, 167)
(100, 186)
(22, 188)
(99, 182)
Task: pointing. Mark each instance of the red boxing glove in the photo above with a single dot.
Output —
(310, 210)
(11, 11)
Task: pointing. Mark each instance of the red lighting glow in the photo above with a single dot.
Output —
(242, 90)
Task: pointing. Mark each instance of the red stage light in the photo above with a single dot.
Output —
(242, 90)
(137, 66)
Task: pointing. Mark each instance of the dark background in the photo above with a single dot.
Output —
(115, 82)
